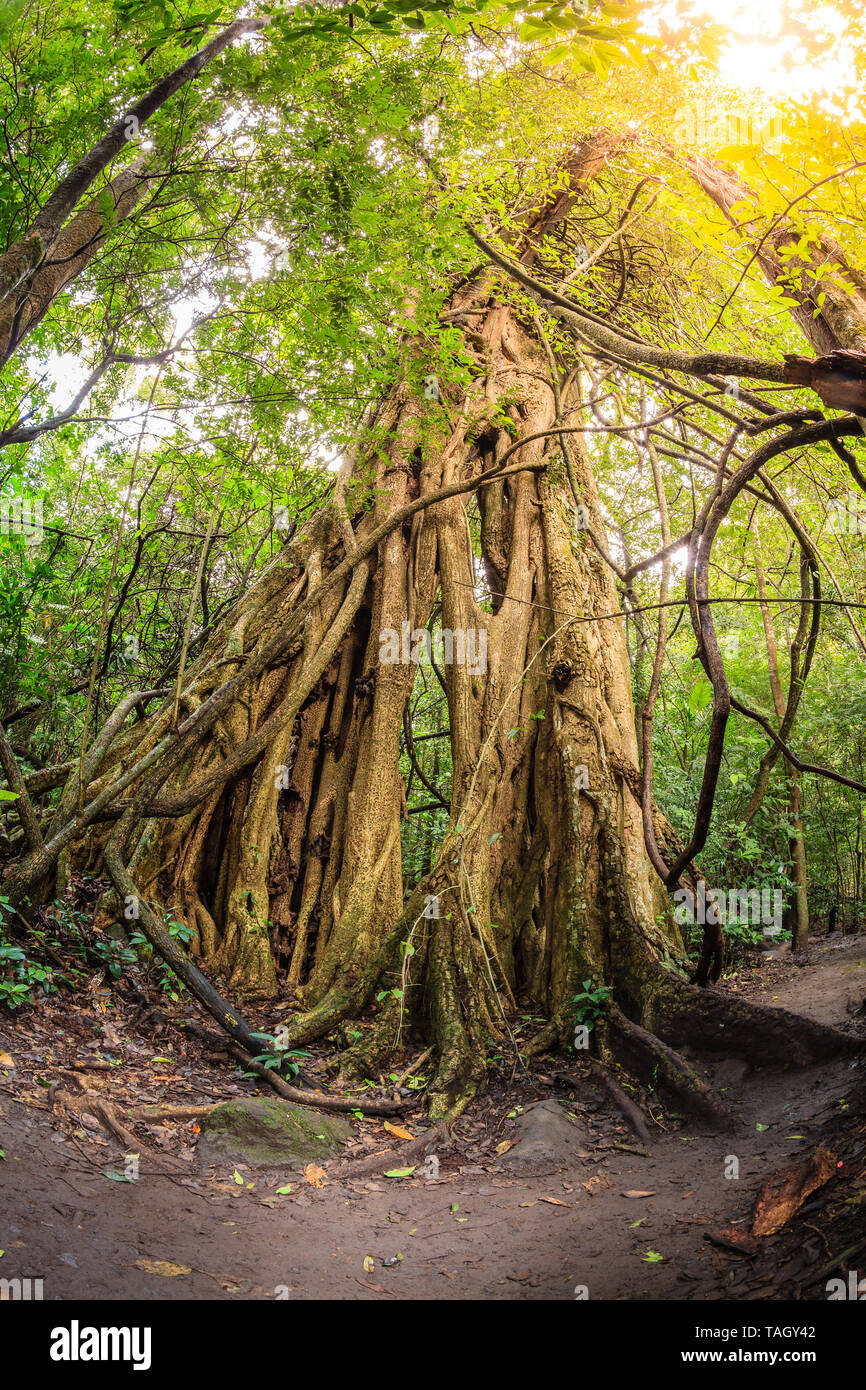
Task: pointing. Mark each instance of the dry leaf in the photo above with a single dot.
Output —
(636, 1193)
(398, 1131)
(163, 1267)
(505, 1146)
(5, 1059)
(369, 1264)
(554, 1202)
(315, 1176)
(786, 1191)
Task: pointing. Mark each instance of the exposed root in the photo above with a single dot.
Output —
(648, 1057)
(374, 1047)
(148, 1114)
(548, 1037)
(632, 1112)
(414, 1067)
(457, 1002)
(172, 953)
(710, 1020)
(317, 1099)
(380, 1163)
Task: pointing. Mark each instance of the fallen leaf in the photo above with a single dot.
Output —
(554, 1202)
(5, 1059)
(238, 1179)
(785, 1192)
(635, 1193)
(505, 1146)
(284, 1191)
(398, 1131)
(369, 1264)
(400, 1172)
(315, 1176)
(163, 1267)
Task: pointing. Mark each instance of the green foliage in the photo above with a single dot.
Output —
(590, 1003)
(19, 974)
(293, 260)
(286, 1061)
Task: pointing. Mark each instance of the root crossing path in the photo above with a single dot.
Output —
(484, 1229)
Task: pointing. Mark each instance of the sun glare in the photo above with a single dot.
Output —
(767, 47)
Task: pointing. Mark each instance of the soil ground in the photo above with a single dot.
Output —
(622, 1224)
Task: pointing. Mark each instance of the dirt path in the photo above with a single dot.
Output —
(476, 1232)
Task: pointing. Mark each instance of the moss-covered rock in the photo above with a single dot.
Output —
(269, 1133)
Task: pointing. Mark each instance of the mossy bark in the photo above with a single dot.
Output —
(283, 852)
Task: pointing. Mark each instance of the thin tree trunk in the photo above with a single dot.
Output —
(796, 842)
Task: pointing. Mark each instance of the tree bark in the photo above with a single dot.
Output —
(268, 819)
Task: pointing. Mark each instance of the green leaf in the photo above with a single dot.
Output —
(700, 696)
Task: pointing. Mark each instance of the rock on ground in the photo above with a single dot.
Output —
(270, 1133)
(549, 1141)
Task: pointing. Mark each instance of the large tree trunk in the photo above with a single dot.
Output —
(271, 821)
(292, 864)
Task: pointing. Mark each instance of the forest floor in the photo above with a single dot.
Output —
(619, 1222)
